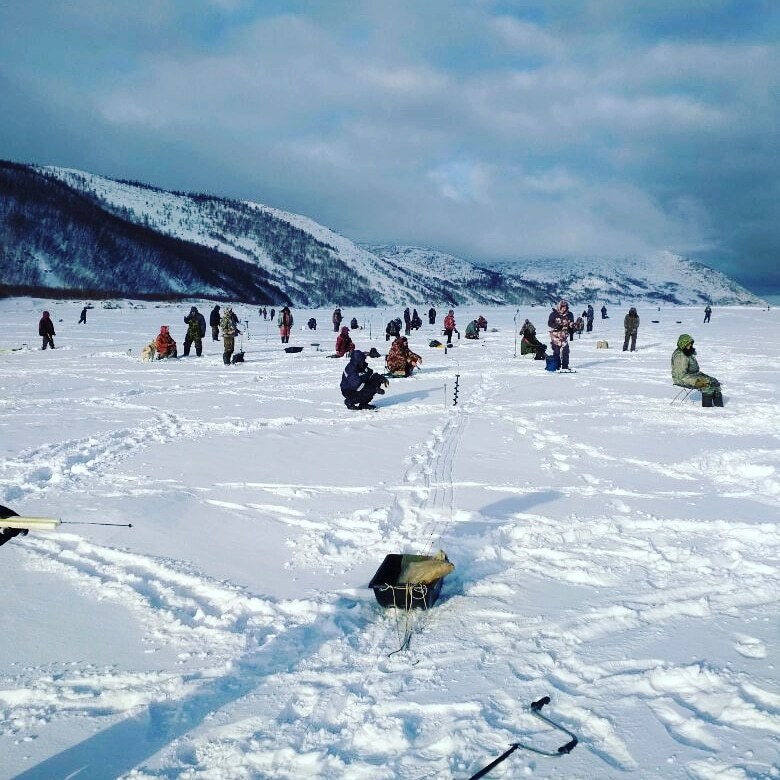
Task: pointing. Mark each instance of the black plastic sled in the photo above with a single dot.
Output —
(390, 594)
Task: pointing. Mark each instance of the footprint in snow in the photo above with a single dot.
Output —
(750, 647)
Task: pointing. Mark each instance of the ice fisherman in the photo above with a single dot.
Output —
(359, 383)
(560, 323)
(400, 360)
(196, 330)
(686, 373)
(46, 330)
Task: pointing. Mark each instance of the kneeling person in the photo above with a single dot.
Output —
(359, 384)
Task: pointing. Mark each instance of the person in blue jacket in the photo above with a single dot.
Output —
(359, 384)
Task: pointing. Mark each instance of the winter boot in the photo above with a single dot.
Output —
(717, 398)
(706, 399)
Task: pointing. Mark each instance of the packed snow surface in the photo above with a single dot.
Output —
(613, 551)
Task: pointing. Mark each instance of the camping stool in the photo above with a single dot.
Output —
(684, 392)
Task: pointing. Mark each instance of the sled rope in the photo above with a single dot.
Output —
(411, 590)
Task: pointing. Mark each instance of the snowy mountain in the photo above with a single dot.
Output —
(660, 278)
(69, 232)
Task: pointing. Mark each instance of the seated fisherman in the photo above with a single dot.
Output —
(686, 373)
(400, 360)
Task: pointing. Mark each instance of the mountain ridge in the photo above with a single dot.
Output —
(65, 229)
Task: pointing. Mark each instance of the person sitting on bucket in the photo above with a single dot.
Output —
(344, 343)
(400, 360)
(686, 373)
(472, 330)
(164, 344)
(529, 343)
(359, 384)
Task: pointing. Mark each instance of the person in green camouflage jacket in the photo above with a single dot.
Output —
(686, 373)
(229, 332)
(196, 330)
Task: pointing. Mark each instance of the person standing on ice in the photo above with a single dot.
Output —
(449, 326)
(285, 323)
(359, 384)
(431, 316)
(560, 322)
(46, 330)
(707, 313)
(631, 328)
(214, 323)
(196, 330)
(589, 318)
(83, 317)
(337, 317)
(603, 312)
(229, 333)
(686, 373)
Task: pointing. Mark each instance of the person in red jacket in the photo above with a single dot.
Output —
(46, 330)
(164, 344)
(449, 326)
(344, 344)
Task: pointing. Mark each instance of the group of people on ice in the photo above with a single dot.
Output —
(401, 361)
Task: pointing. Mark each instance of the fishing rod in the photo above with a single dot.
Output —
(12, 520)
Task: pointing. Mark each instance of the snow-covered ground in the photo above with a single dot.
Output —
(612, 551)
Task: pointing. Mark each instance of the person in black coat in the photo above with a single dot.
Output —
(214, 319)
(393, 329)
(359, 384)
(431, 316)
(46, 330)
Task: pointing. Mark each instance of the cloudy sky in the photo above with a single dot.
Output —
(492, 130)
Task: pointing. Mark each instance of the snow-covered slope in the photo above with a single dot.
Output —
(127, 238)
(662, 277)
(247, 231)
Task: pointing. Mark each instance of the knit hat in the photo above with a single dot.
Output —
(684, 341)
